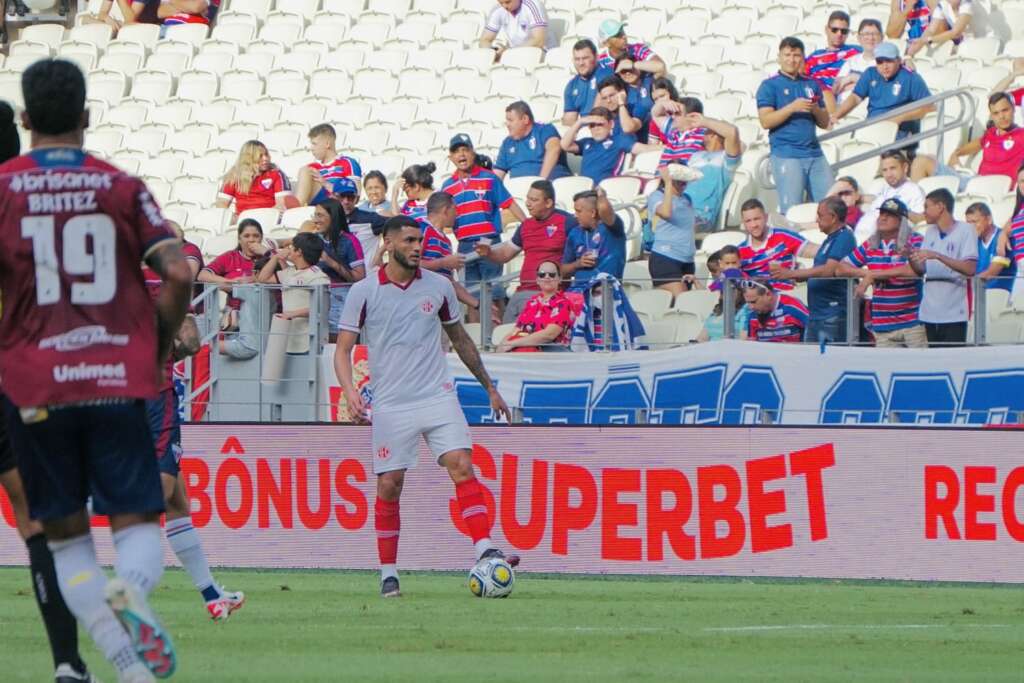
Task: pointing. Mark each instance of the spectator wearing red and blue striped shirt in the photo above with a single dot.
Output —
(765, 245)
(612, 34)
(480, 197)
(883, 261)
(912, 16)
(436, 250)
(774, 317)
(418, 183)
(682, 139)
(825, 64)
(316, 179)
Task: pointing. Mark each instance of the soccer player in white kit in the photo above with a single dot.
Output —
(400, 310)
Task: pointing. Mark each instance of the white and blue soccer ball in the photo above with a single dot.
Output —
(492, 577)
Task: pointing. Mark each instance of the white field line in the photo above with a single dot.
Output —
(844, 627)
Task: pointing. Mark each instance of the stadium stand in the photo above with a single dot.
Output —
(398, 78)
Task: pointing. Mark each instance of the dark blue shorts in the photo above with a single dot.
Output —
(165, 426)
(7, 460)
(103, 451)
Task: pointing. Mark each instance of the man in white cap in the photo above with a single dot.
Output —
(520, 23)
(640, 56)
(887, 86)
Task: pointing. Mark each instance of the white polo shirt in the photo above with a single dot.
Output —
(516, 27)
(946, 291)
(909, 192)
(401, 326)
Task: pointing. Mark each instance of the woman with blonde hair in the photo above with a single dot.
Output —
(254, 182)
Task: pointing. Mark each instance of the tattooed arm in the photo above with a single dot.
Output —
(464, 346)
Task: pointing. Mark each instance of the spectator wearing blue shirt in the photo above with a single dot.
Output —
(581, 90)
(613, 95)
(889, 85)
(826, 295)
(604, 153)
(639, 93)
(598, 242)
(717, 162)
(672, 253)
(790, 107)
(531, 148)
(980, 216)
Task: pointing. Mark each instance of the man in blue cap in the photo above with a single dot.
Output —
(889, 85)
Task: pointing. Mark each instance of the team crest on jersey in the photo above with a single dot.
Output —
(809, 92)
(480, 194)
(596, 238)
(1008, 144)
(551, 230)
(427, 306)
(607, 144)
(533, 143)
(785, 91)
(383, 452)
(266, 183)
(896, 87)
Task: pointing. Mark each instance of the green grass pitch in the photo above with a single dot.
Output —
(331, 626)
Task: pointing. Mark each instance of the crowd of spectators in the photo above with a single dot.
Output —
(621, 101)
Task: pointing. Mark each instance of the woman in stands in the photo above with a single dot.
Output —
(375, 185)
(547, 318)
(235, 267)
(661, 89)
(254, 182)
(418, 183)
(848, 189)
(342, 259)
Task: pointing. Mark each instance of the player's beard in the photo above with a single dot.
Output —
(403, 261)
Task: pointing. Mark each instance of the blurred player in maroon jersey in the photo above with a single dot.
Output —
(79, 354)
(61, 627)
(165, 424)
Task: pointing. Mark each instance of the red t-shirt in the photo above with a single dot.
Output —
(262, 194)
(1002, 154)
(80, 325)
(231, 264)
(541, 241)
(538, 314)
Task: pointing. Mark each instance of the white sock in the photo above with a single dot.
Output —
(82, 583)
(140, 556)
(388, 570)
(184, 541)
(482, 546)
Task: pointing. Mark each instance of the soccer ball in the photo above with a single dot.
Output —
(492, 578)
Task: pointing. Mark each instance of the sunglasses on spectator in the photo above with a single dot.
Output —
(837, 29)
(845, 193)
(546, 274)
(751, 284)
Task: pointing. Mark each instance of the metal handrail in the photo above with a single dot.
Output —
(968, 109)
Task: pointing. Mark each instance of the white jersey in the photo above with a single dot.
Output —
(516, 27)
(401, 326)
(946, 296)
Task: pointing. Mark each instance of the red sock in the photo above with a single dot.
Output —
(474, 509)
(387, 522)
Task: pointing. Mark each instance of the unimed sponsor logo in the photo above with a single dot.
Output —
(102, 373)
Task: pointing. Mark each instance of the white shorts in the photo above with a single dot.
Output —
(396, 434)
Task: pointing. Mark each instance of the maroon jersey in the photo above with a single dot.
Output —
(78, 324)
(153, 282)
